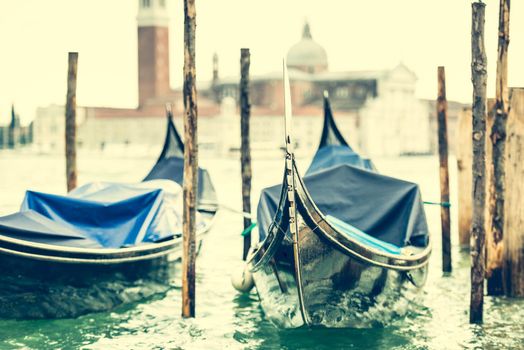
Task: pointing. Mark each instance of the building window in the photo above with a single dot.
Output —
(342, 92)
(162, 3)
(146, 3)
(307, 94)
(360, 91)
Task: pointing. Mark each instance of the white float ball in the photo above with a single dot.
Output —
(242, 279)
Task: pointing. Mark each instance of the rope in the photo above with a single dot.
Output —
(233, 210)
(249, 229)
(244, 214)
(442, 204)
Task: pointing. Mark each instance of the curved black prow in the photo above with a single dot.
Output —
(333, 148)
(170, 166)
(331, 136)
(173, 145)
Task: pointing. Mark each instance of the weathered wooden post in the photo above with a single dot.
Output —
(490, 111)
(190, 184)
(442, 119)
(245, 153)
(514, 205)
(464, 165)
(70, 121)
(495, 232)
(478, 77)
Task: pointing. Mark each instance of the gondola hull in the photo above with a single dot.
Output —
(328, 279)
(338, 289)
(44, 281)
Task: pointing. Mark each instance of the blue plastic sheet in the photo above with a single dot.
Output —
(111, 215)
(105, 215)
(32, 226)
(173, 168)
(332, 155)
(362, 237)
(381, 206)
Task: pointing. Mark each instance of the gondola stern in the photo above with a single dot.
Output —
(173, 144)
(331, 135)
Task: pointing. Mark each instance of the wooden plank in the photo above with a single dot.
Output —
(513, 265)
(490, 115)
(479, 78)
(190, 184)
(495, 233)
(464, 176)
(442, 120)
(245, 152)
(70, 122)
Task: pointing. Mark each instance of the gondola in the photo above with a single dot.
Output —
(101, 245)
(340, 246)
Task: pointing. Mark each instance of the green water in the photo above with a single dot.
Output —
(436, 318)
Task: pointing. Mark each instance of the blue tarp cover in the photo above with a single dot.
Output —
(362, 237)
(98, 215)
(342, 185)
(332, 155)
(32, 226)
(173, 168)
(114, 215)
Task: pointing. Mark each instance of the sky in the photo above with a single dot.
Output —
(35, 36)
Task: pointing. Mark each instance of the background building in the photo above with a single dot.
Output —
(377, 111)
(13, 134)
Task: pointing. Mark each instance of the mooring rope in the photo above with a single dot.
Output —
(249, 229)
(442, 204)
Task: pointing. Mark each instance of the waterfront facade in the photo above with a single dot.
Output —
(377, 111)
(13, 134)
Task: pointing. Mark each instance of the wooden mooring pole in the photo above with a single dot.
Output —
(464, 153)
(495, 231)
(513, 266)
(245, 152)
(478, 77)
(190, 184)
(442, 119)
(70, 122)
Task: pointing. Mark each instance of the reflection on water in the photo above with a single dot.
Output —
(436, 319)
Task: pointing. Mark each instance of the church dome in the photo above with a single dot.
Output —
(307, 55)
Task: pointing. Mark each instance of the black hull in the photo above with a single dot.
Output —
(328, 280)
(44, 281)
(33, 289)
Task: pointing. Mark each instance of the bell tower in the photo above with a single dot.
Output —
(153, 50)
(214, 83)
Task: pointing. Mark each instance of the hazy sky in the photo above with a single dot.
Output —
(35, 36)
